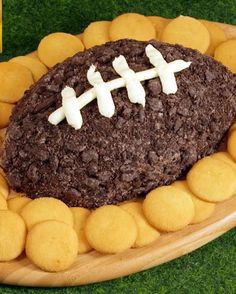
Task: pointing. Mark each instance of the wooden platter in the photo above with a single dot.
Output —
(94, 267)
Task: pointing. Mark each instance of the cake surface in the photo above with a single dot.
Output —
(110, 160)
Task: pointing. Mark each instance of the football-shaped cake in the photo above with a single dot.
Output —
(111, 159)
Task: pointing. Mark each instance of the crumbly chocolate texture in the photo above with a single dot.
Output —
(111, 160)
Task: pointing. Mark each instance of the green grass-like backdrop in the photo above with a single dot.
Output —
(211, 269)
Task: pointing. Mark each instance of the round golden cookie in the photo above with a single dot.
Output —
(159, 23)
(37, 68)
(131, 26)
(168, 208)
(224, 156)
(15, 79)
(5, 113)
(52, 246)
(46, 208)
(56, 47)
(33, 54)
(226, 54)
(80, 216)
(146, 233)
(231, 145)
(202, 209)
(16, 204)
(3, 203)
(4, 188)
(212, 180)
(110, 229)
(12, 235)
(97, 33)
(188, 32)
(217, 35)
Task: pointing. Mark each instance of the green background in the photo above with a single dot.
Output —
(211, 269)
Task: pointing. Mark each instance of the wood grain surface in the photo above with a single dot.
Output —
(94, 267)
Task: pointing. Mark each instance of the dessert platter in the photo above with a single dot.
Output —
(118, 149)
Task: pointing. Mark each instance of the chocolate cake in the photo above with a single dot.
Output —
(110, 160)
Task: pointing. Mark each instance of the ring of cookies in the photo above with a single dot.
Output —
(115, 137)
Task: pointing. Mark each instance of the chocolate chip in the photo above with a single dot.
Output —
(23, 154)
(154, 86)
(89, 155)
(42, 155)
(72, 146)
(105, 58)
(141, 115)
(41, 139)
(156, 104)
(177, 125)
(129, 177)
(53, 88)
(67, 161)
(127, 113)
(126, 168)
(54, 162)
(45, 104)
(152, 157)
(152, 176)
(14, 179)
(72, 192)
(92, 170)
(157, 125)
(225, 92)
(92, 183)
(104, 176)
(172, 111)
(15, 132)
(209, 75)
(120, 122)
(192, 91)
(106, 158)
(137, 182)
(160, 115)
(33, 173)
(151, 185)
